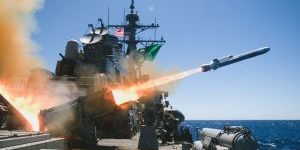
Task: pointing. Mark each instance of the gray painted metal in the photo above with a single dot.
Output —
(218, 63)
(29, 140)
(233, 140)
(148, 138)
(23, 140)
(54, 143)
(72, 49)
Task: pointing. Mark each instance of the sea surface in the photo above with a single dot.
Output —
(271, 134)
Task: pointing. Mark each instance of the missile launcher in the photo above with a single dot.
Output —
(230, 138)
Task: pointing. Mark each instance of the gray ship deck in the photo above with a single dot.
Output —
(29, 140)
(129, 144)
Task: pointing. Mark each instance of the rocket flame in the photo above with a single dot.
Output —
(132, 93)
(24, 105)
(123, 96)
(18, 52)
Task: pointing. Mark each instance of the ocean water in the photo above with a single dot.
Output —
(271, 134)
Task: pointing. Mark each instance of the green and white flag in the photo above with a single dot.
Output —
(151, 51)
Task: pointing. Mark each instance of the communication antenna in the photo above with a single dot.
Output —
(155, 29)
(132, 7)
(108, 16)
(131, 28)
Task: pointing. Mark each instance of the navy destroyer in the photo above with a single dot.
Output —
(121, 101)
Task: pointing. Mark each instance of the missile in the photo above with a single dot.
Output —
(218, 63)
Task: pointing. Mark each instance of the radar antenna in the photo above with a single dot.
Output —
(102, 30)
(91, 38)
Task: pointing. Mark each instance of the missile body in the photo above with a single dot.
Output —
(217, 63)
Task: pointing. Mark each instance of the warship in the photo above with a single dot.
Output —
(122, 107)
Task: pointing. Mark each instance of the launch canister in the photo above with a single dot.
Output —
(217, 63)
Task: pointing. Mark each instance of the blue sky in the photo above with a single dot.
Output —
(196, 31)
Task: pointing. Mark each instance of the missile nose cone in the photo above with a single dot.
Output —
(264, 49)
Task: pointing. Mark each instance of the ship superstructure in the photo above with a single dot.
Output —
(110, 60)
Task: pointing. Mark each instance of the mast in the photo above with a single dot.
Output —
(131, 29)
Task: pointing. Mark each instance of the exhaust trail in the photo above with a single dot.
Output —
(167, 79)
(132, 93)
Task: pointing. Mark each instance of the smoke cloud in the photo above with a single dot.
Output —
(18, 53)
(22, 81)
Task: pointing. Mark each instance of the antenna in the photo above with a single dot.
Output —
(131, 28)
(124, 22)
(124, 17)
(155, 29)
(101, 22)
(132, 6)
(108, 16)
(101, 30)
(91, 26)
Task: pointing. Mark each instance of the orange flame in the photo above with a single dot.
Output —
(133, 93)
(24, 105)
(123, 96)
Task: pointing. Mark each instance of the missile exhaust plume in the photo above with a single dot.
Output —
(167, 79)
(132, 93)
(25, 105)
(17, 51)
(126, 94)
(18, 54)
